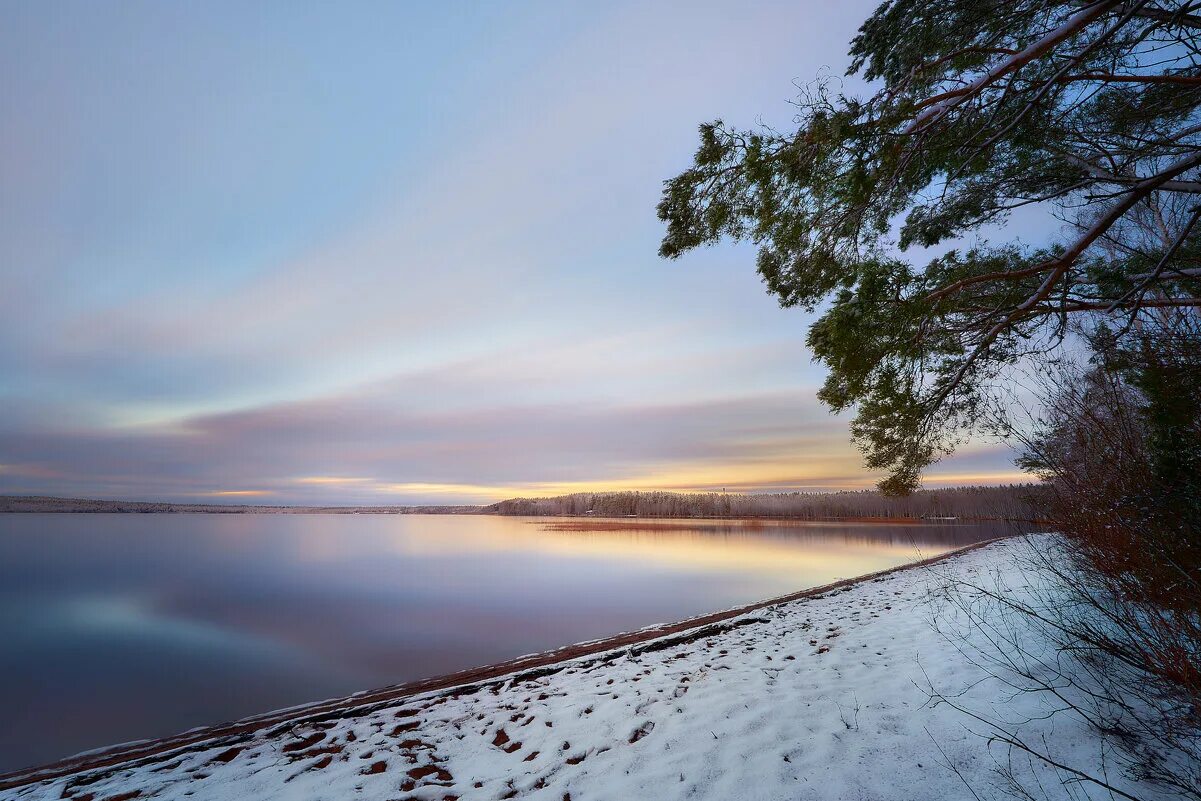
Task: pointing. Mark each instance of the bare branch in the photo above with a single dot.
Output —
(1141, 289)
(949, 100)
(1188, 272)
(1190, 187)
(1061, 264)
(1105, 77)
(1170, 17)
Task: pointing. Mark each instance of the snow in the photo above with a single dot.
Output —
(111, 747)
(818, 698)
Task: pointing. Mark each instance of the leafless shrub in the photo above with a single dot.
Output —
(1109, 630)
(1060, 638)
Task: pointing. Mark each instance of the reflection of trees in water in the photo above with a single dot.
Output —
(1015, 502)
(800, 533)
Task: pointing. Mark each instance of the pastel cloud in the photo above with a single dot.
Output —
(393, 252)
(359, 449)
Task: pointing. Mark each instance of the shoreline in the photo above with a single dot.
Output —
(866, 507)
(27, 505)
(465, 682)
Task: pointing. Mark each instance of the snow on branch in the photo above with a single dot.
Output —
(1060, 265)
(935, 108)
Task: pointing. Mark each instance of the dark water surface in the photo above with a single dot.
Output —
(119, 627)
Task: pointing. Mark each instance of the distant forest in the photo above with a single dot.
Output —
(1012, 502)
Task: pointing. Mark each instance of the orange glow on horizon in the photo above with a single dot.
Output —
(679, 550)
(738, 478)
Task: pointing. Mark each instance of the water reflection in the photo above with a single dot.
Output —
(116, 627)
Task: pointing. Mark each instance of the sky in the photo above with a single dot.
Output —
(291, 252)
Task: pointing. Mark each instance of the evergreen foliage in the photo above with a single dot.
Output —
(1087, 110)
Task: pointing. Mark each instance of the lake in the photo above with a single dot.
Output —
(116, 627)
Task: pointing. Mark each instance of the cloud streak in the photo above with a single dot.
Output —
(354, 449)
(392, 253)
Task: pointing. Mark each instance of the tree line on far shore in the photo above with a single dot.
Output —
(1012, 502)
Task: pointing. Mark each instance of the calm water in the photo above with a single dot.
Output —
(119, 627)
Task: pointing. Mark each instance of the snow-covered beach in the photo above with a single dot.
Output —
(825, 696)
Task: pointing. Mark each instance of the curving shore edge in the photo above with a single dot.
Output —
(128, 755)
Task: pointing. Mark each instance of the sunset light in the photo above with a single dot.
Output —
(680, 400)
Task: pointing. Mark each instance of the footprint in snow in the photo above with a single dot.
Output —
(643, 730)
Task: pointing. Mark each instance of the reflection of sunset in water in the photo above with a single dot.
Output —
(784, 549)
(779, 554)
(203, 617)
